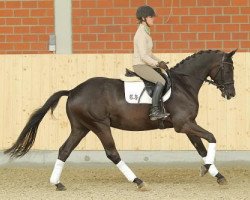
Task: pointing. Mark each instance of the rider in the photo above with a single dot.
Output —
(144, 61)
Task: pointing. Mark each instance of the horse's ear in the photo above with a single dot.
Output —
(229, 55)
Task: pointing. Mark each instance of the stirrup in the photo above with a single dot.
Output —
(159, 116)
(154, 118)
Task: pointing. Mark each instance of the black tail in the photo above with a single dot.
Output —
(27, 137)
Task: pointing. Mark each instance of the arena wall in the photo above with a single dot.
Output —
(28, 80)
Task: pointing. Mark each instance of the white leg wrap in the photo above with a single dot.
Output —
(213, 170)
(210, 153)
(126, 171)
(56, 174)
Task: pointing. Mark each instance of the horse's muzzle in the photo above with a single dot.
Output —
(228, 92)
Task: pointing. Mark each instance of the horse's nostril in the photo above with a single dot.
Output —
(233, 93)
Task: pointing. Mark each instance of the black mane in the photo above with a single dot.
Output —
(194, 56)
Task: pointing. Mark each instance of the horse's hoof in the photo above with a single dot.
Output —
(222, 181)
(60, 187)
(203, 171)
(143, 187)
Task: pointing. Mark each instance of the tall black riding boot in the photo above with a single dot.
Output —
(156, 112)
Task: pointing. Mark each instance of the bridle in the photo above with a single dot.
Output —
(221, 84)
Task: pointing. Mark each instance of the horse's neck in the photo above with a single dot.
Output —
(201, 66)
(196, 70)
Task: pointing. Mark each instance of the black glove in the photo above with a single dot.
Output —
(162, 65)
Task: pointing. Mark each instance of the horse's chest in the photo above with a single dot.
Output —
(183, 106)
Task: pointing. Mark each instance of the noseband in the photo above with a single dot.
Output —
(222, 83)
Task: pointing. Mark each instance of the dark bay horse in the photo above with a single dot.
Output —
(99, 103)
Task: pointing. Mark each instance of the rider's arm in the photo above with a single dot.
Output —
(141, 43)
(155, 58)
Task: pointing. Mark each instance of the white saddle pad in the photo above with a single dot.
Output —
(133, 91)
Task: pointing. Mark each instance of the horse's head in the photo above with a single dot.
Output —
(222, 74)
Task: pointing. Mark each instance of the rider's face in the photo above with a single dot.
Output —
(150, 20)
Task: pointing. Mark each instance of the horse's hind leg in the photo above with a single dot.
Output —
(69, 145)
(105, 136)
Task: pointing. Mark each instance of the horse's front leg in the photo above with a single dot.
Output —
(201, 149)
(195, 133)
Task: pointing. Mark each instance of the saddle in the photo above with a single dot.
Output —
(149, 86)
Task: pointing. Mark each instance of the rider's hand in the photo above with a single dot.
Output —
(162, 65)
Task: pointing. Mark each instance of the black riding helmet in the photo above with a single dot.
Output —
(143, 12)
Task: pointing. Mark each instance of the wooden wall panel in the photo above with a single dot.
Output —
(28, 80)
